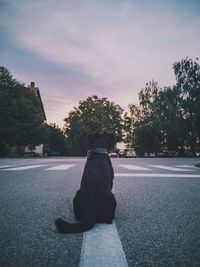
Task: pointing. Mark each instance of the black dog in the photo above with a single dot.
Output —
(94, 201)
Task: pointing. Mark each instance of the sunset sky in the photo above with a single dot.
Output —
(73, 49)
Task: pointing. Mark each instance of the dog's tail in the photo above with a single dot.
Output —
(69, 228)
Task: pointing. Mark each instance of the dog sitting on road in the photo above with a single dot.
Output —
(94, 202)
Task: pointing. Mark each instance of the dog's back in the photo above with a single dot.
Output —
(94, 201)
(98, 173)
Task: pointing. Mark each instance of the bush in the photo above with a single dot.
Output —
(3, 149)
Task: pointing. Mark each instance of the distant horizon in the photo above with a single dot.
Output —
(76, 49)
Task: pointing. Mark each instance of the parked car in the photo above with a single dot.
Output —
(152, 155)
(122, 153)
(149, 155)
(130, 153)
(165, 154)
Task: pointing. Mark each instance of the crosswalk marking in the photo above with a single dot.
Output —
(170, 168)
(24, 167)
(134, 167)
(185, 166)
(63, 167)
(6, 166)
(60, 167)
(128, 174)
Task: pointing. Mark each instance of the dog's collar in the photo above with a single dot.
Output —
(101, 150)
(98, 150)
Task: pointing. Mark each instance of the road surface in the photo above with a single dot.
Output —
(156, 224)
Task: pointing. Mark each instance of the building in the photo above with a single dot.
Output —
(36, 90)
(38, 150)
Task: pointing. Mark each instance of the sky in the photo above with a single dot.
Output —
(73, 49)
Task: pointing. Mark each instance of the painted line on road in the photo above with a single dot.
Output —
(185, 166)
(60, 167)
(24, 168)
(7, 166)
(134, 167)
(102, 247)
(128, 174)
(50, 160)
(170, 168)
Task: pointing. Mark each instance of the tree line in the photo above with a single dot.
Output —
(165, 119)
(22, 119)
(168, 119)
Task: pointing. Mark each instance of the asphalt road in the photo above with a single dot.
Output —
(157, 216)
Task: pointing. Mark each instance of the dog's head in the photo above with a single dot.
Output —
(102, 139)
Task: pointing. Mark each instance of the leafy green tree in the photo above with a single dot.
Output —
(160, 117)
(173, 110)
(147, 139)
(21, 120)
(168, 118)
(148, 99)
(92, 114)
(131, 121)
(171, 123)
(187, 72)
(56, 141)
(148, 133)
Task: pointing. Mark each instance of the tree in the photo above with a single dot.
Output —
(56, 141)
(170, 123)
(91, 115)
(159, 116)
(147, 139)
(130, 122)
(21, 120)
(187, 72)
(148, 99)
(167, 118)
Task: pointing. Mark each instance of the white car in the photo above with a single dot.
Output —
(130, 153)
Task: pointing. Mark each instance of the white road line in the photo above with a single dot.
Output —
(169, 168)
(185, 166)
(134, 167)
(60, 167)
(24, 167)
(128, 174)
(7, 166)
(102, 247)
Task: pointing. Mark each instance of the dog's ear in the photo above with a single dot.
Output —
(90, 140)
(111, 138)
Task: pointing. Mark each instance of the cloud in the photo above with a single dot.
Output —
(73, 49)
